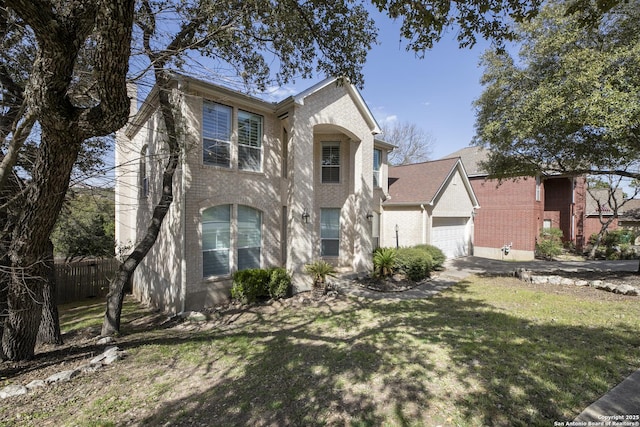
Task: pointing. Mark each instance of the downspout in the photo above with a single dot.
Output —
(424, 224)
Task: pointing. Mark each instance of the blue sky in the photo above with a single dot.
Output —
(434, 92)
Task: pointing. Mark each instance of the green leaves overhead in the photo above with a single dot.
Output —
(570, 101)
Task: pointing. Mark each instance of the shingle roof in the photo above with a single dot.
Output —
(602, 194)
(419, 182)
(471, 158)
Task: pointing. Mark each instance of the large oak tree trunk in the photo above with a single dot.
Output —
(49, 332)
(115, 298)
(61, 30)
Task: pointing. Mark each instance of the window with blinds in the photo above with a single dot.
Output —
(216, 240)
(216, 134)
(249, 141)
(330, 232)
(330, 162)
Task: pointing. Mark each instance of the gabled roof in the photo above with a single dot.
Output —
(351, 90)
(602, 195)
(471, 158)
(422, 183)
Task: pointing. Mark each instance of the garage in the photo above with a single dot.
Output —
(450, 234)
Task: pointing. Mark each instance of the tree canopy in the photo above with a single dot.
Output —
(569, 101)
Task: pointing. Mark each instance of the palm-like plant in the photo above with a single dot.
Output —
(320, 270)
(384, 261)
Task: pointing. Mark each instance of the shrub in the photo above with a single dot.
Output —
(279, 283)
(257, 283)
(415, 263)
(549, 244)
(384, 261)
(250, 285)
(437, 255)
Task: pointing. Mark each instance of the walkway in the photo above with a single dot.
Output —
(620, 406)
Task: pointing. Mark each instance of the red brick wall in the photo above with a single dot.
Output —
(508, 213)
(592, 225)
(558, 203)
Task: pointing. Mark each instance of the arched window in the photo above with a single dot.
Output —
(249, 237)
(216, 240)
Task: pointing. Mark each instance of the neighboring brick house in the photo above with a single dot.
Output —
(514, 212)
(260, 184)
(430, 203)
(592, 223)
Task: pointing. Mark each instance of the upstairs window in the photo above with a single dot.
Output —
(330, 162)
(216, 134)
(377, 162)
(249, 141)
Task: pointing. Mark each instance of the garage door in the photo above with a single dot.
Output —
(449, 234)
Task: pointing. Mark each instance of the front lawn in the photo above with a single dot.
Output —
(489, 351)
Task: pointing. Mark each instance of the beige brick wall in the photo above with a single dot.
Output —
(171, 275)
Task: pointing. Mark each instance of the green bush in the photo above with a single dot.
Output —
(437, 255)
(279, 283)
(257, 283)
(549, 244)
(384, 261)
(415, 263)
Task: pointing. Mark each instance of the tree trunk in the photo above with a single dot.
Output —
(61, 32)
(49, 332)
(111, 323)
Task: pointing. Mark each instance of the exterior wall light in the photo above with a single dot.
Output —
(305, 216)
(369, 216)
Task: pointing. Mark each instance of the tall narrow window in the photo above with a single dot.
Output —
(330, 162)
(216, 134)
(249, 141)
(329, 232)
(216, 240)
(538, 188)
(249, 237)
(144, 172)
(377, 162)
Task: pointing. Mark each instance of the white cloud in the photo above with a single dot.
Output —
(278, 93)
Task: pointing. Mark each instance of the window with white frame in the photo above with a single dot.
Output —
(227, 230)
(249, 141)
(330, 162)
(216, 240)
(377, 162)
(538, 189)
(249, 237)
(216, 134)
(329, 232)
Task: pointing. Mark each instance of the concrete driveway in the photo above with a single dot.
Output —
(457, 267)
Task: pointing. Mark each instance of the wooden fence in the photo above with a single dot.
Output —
(85, 279)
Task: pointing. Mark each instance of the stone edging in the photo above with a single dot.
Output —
(110, 355)
(527, 276)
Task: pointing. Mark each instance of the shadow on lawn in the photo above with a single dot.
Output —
(381, 362)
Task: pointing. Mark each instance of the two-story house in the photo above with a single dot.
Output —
(515, 211)
(260, 184)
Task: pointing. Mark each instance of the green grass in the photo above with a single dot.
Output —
(487, 352)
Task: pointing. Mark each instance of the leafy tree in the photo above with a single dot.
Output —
(608, 201)
(331, 37)
(413, 144)
(569, 103)
(61, 31)
(86, 227)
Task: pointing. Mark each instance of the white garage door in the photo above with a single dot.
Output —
(450, 235)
